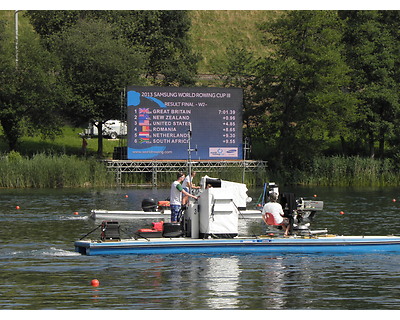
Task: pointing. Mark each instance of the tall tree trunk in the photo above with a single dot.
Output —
(11, 131)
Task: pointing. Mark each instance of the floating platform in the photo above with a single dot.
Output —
(262, 244)
(166, 214)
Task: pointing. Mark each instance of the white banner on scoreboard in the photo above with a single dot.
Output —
(223, 152)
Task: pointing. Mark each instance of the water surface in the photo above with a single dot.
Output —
(40, 270)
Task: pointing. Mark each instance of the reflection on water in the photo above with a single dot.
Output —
(273, 282)
(222, 276)
(40, 269)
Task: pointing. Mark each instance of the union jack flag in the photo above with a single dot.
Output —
(144, 110)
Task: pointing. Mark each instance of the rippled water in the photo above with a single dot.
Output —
(40, 270)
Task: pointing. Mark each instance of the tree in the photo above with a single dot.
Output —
(30, 92)
(302, 85)
(163, 35)
(236, 69)
(98, 64)
(372, 52)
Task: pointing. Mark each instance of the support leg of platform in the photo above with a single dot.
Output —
(154, 177)
(118, 176)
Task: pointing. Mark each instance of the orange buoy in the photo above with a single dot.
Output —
(315, 195)
(341, 212)
(126, 196)
(17, 207)
(76, 213)
(393, 200)
(95, 283)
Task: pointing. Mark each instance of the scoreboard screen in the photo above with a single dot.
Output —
(160, 119)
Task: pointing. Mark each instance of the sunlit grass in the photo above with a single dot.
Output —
(213, 31)
(69, 143)
(352, 171)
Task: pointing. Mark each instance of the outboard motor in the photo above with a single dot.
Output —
(289, 205)
(110, 231)
(300, 212)
(149, 205)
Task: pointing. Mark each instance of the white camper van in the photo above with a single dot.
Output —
(111, 128)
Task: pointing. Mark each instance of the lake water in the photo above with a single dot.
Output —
(41, 271)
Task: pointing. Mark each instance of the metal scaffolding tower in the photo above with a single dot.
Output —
(119, 167)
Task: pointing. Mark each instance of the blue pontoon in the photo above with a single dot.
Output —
(318, 244)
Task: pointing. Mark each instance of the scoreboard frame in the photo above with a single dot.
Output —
(159, 120)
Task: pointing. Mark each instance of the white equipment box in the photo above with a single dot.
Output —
(219, 215)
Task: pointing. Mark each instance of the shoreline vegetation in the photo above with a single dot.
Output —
(52, 171)
(70, 171)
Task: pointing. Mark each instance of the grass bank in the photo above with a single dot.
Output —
(52, 171)
(351, 171)
(213, 31)
(69, 142)
(69, 171)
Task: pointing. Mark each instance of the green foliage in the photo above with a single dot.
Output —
(328, 79)
(372, 50)
(29, 89)
(236, 69)
(351, 171)
(301, 85)
(98, 66)
(14, 156)
(52, 171)
(163, 35)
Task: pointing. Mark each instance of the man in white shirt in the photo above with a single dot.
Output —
(188, 184)
(275, 209)
(176, 197)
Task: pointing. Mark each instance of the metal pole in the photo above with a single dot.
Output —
(16, 38)
(244, 159)
(190, 157)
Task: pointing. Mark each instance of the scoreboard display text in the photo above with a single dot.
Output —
(159, 120)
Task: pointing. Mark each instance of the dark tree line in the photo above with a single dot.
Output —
(329, 85)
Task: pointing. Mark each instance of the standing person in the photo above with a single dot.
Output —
(188, 182)
(275, 209)
(84, 146)
(176, 196)
(187, 185)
